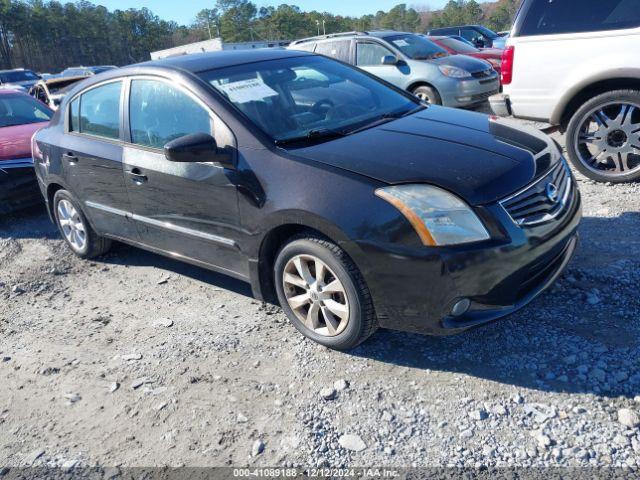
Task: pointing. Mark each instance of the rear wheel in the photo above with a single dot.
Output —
(603, 137)
(323, 293)
(75, 228)
(427, 94)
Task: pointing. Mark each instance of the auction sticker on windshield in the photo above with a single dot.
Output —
(245, 91)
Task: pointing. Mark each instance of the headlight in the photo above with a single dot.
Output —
(453, 72)
(438, 217)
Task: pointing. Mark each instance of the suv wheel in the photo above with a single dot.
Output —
(603, 137)
(427, 94)
(323, 293)
(75, 228)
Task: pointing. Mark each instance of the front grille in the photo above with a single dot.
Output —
(484, 73)
(544, 200)
(482, 96)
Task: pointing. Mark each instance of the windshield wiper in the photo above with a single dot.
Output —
(313, 135)
(386, 117)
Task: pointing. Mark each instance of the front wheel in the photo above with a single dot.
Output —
(427, 94)
(323, 293)
(603, 137)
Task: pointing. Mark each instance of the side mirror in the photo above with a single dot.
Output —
(197, 147)
(389, 60)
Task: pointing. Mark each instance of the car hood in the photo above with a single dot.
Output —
(480, 158)
(15, 142)
(470, 64)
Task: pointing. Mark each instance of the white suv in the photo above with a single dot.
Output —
(576, 65)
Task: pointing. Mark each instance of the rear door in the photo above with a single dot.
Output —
(91, 158)
(188, 209)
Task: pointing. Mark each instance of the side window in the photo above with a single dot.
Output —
(338, 49)
(369, 54)
(160, 113)
(469, 34)
(100, 111)
(562, 16)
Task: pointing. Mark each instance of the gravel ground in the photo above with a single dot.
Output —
(136, 360)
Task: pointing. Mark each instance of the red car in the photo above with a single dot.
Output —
(20, 117)
(453, 46)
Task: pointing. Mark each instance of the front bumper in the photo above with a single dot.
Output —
(464, 93)
(500, 105)
(415, 289)
(18, 185)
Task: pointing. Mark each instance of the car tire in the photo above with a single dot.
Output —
(427, 94)
(321, 324)
(76, 229)
(609, 103)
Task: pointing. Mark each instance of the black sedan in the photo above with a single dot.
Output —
(340, 197)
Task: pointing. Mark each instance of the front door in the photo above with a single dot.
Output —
(369, 57)
(91, 152)
(188, 209)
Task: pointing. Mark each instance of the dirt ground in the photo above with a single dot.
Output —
(137, 360)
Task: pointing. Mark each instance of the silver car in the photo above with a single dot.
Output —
(411, 62)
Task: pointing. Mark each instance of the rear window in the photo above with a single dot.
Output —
(547, 17)
(338, 49)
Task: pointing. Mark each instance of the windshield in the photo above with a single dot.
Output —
(457, 45)
(417, 47)
(487, 33)
(21, 110)
(18, 76)
(306, 97)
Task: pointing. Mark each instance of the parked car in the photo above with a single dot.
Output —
(18, 79)
(348, 201)
(481, 37)
(412, 63)
(578, 69)
(51, 92)
(20, 117)
(461, 39)
(86, 71)
(455, 47)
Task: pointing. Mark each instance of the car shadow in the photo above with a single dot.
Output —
(122, 254)
(581, 336)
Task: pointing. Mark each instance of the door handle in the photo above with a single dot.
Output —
(137, 176)
(70, 157)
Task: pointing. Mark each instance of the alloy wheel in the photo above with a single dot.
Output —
(72, 226)
(608, 139)
(316, 295)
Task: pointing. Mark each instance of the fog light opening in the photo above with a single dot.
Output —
(461, 307)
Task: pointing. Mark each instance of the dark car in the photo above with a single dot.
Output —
(478, 35)
(20, 117)
(86, 71)
(18, 78)
(346, 200)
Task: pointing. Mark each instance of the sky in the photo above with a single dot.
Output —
(184, 12)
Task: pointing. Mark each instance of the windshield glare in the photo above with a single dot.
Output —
(19, 76)
(417, 47)
(457, 45)
(21, 110)
(295, 97)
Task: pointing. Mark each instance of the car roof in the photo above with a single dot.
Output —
(346, 35)
(199, 62)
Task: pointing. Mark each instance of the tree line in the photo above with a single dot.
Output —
(48, 36)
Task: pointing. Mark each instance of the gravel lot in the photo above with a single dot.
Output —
(136, 360)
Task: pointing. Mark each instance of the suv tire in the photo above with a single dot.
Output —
(318, 280)
(75, 228)
(615, 135)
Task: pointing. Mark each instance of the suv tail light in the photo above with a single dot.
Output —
(506, 69)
